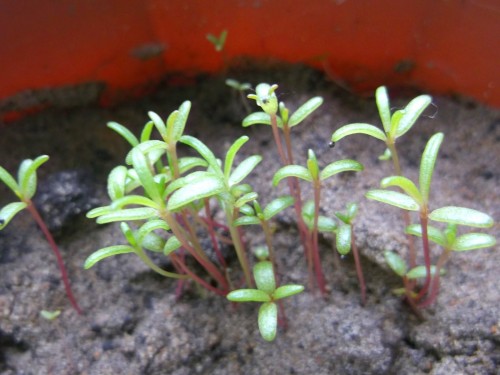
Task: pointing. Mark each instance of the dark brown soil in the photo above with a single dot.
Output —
(133, 323)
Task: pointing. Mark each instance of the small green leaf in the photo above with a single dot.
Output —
(405, 184)
(358, 128)
(116, 182)
(180, 121)
(153, 149)
(133, 199)
(394, 198)
(326, 224)
(473, 241)
(339, 166)
(435, 235)
(171, 245)
(305, 110)
(106, 253)
(128, 214)
(8, 212)
(386, 155)
(287, 291)
(159, 124)
(266, 98)
(27, 175)
(50, 315)
(343, 239)
(231, 153)
(124, 132)
(203, 187)
(219, 41)
(411, 113)
(427, 164)
(152, 242)
(268, 320)
(292, 171)
(244, 169)
(248, 295)
(141, 166)
(11, 183)
(312, 165)
(244, 199)
(395, 262)
(247, 220)
(257, 118)
(420, 272)
(202, 149)
(277, 205)
(264, 277)
(247, 210)
(383, 106)
(462, 216)
(146, 132)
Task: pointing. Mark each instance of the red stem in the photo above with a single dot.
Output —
(64, 275)
(320, 279)
(359, 269)
(427, 254)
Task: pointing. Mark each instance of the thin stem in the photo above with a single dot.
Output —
(434, 290)
(238, 246)
(320, 279)
(64, 276)
(427, 253)
(213, 237)
(359, 269)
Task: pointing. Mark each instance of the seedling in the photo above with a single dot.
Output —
(267, 293)
(25, 188)
(240, 88)
(218, 41)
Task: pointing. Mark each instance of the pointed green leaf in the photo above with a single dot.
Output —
(116, 182)
(124, 132)
(305, 110)
(248, 295)
(247, 220)
(384, 108)
(171, 245)
(106, 253)
(202, 149)
(434, 234)
(244, 169)
(152, 242)
(462, 216)
(420, 272)
(146, 132)
(231, 153)
(9, 180)
(358, 128)
(343, 239)
(263, 274)
(268, 320)
(204, 187)
(151, 226)
(277, 205)
(159, 124)
(128, 214)
(27, 175)
(411, 113)
(247, 210)
(8, 212)
(287, 291)
(427, 164)
(473, 241)
(141, 166)
(395, 262)
(340, 166)
(393, 198)
(180, 120)
(292, 171)
(246, 198)
(405, 184)
(153, 149)
(326, 224)
(259, 118)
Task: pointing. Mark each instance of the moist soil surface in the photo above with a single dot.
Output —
(136, 322)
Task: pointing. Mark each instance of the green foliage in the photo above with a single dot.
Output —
(218, 41)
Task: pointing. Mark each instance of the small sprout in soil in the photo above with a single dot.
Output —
(25, 188)
(218, 41)
(50, 315)
(267, 293)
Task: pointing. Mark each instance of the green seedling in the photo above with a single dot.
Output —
(313, 175)
(50, 315)
(416, 199)
(240, 88)
(268, 294)
(345, 242)
(25, 188)
(218, 41)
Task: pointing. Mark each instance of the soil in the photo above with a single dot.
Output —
(135, 324)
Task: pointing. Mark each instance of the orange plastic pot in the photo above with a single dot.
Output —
(107, 50)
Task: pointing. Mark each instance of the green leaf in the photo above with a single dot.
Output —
(312, 165)
(231, 153)
(420, 272)
(405, 184)
(411, 113)
(247, 220)
(128, 214)
(159, 124)
(151, 226)
(473, 241)
(27, 175)
(287, 291)
(202, 149)
(383, 106)
(434, 234)
(171, 245)
(394, 198)
(116, 182)
(277, 205)
(358, 128)
(292, 171)
(8, 212)
(244, 169)
(141, 166)
(427, 164)
(124, 132)
(305, 110)
(462, 216)
(244, 199)
(146, 132)
(247, 210)
(326, 224)
(266, 97)
(153, 242)
(11, 183)
(263, 274)
(340, 166)
(203, 187)
(343, 239)
(50, 315)
(153, 149)
(107, 252)
(176, 129)
(133, 199)
(248, 295)
(395, 262)
(268, 320)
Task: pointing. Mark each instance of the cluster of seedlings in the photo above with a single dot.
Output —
(166, 201)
